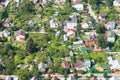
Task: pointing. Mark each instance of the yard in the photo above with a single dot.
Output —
(99, 57)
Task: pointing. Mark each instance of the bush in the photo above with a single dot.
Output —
(82, 72)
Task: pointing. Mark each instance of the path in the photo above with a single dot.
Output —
(92, 13)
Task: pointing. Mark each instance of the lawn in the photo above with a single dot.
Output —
(95, 56)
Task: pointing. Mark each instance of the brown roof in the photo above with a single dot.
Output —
(7, 20)
(20, 32)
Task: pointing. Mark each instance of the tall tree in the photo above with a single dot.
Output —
(100, 29)
(102, 40)
(26, 7)
(23, 74)
(108, 3)
(30, 45)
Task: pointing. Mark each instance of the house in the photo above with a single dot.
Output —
(54, 78)
(78, 6)
(87, 64)
(114, 64)
(111, 25)
(71, 25)
(71, 33)
(42, 67)
(5, 33)
(111, 36)
(7, 23)
(79, 65)
(20, 35)
(91, 40)
(86, 24)
(53, 24)
(65, 65)
(116, 3)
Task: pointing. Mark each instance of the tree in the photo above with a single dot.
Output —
(105, 75)
(23, 74)
(100, 29)
(65, 74)
(9, 67)
(109, 3)
(94, 2)
(91, 75)
(30, 45)
(102, 40)
(26, 7)
(76, 76)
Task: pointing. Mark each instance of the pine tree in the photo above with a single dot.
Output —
(30, 46)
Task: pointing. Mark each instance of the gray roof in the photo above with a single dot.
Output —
(6, 31)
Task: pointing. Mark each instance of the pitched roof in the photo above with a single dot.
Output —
(6, 31)
(20, 32)
(79, 64)
(65, 65)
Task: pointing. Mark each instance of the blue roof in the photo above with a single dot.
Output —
(112, 25)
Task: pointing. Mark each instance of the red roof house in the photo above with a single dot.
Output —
(65, 65)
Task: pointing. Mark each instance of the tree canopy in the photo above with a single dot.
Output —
(26, 7)
(100, 29)
(30, 45)
(102, 40)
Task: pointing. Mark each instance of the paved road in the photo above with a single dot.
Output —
(81, 77)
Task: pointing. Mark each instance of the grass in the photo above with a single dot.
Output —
(95, 56)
